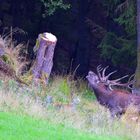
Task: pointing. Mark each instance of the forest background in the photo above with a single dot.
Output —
(89, 32)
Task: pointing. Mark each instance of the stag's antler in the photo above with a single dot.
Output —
(116, 82)
(102, 76)
(99, 69)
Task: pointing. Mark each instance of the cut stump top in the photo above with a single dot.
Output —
(48, 37)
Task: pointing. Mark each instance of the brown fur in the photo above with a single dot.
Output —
(116, 100)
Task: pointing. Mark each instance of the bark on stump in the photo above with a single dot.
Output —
(45, 46)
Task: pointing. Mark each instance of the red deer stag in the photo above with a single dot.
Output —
(115, 99)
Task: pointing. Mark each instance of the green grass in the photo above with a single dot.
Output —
(21, 127)
(89, 121)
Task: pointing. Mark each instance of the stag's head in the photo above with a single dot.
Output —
(101, 78)
(93, 78)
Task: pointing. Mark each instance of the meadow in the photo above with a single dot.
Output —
(26, 112)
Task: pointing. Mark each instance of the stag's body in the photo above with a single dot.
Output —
(116, 100)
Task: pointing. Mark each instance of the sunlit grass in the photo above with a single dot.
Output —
(22, 127)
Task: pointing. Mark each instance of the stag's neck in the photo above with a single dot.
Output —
(101, 91)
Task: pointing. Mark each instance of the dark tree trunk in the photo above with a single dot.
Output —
(44, 61)
(82, 48)
(137, 77)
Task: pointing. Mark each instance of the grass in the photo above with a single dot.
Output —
(21, 127)
(27, 111)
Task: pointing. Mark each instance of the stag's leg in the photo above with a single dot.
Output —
(113, 114)
(116, 112)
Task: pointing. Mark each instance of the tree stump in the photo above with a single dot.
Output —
(45, 46)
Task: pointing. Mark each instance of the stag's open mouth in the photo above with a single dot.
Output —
(90, 74)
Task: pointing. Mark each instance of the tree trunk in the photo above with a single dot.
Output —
(136, 89)
(45, 46)
(82, 56)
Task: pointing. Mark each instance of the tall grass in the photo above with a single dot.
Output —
(13, 53)
(87, 116)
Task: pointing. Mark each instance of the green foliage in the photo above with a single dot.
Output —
(51, 6)
(124, 13)
(110, 6)
(64, 87)
(118, 50)
(127, 18)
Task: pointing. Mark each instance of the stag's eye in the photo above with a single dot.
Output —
(97, 80)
